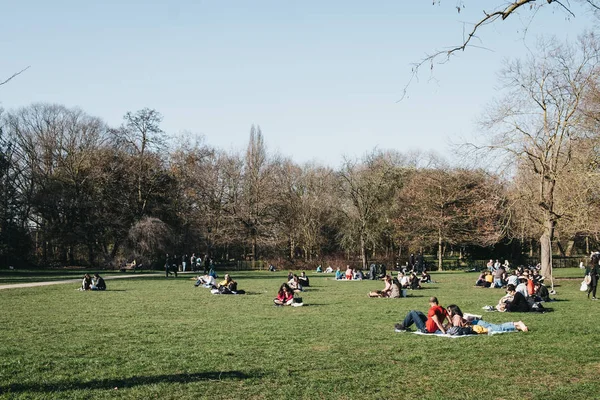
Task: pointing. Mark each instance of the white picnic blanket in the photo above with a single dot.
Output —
(442, 335)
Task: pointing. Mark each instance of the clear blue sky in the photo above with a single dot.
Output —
(321, 78)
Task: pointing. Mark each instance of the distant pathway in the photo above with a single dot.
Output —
(78, 280)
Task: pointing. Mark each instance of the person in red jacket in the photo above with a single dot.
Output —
(285, 296)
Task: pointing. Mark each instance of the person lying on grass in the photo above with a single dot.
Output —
(206, 281)
(285, 296)
(458, 320)
(432, 323)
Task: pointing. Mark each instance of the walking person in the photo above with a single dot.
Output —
(592, 270)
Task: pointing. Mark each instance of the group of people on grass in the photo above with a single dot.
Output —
(226, 286)
(451, 320)
(95, 283)
(394, 286)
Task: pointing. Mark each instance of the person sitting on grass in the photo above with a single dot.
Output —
(319, 269)
(227, 285)
(457, 320)
(414, 281)
(285, 296)
(98, 283)
(339, 275)
(303, 279)
(386, 290)
(489, 278)
(295, 284)
(404, 280)
(541, 292)
(329, 270)
(86, 283)
(358, 274)
(425, 277)
(519, 302)
(432, 323)
(481, 279)
(349, 273)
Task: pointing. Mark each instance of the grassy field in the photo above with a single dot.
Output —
(162, 338)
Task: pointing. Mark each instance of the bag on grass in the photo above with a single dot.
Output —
(460, 331)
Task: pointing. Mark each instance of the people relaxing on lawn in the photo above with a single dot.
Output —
(518, 303)
(358, 274)
(226, 286)
(329, 270)
(86, 283)
(295, 284)
(541, 292)
(414, 281)
(432, 323)
(499, 277)
(388, 288)
(285, 296)
(404, 280)
(457, 320)
(349, 273)
(481, 279)
(206, 281)
(522, 286)
(513, 279)
(425, 277)
(339, 275)
(98, 283)
(303, 279)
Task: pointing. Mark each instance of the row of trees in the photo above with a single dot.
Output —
(75, 189)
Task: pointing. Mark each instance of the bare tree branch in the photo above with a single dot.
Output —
(14, 75)
(443, 56)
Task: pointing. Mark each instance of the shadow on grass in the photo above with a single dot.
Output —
(129, 382)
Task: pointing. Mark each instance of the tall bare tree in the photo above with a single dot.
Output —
(538, 123)
(367, 189)
(445, 206)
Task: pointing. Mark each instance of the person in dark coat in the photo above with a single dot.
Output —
(99, 283)
(593, 271)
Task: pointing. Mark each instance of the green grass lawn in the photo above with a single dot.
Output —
(162, 338)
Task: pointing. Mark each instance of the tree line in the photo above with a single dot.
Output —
(75, 190)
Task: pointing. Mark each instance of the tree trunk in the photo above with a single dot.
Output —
(587, 245)
(546, 251)
(569, 250)
(560, 249)
(440, 247)
(363, 253)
